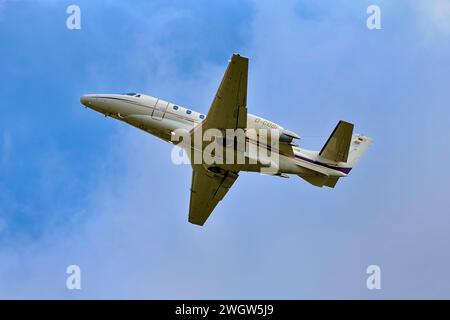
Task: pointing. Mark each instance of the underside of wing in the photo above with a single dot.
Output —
(228, 111)
(207, 189)
(229, 107)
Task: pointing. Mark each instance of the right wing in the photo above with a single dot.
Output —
(229, 107)
(207, 189)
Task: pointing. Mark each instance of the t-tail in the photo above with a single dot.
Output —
(342, 152)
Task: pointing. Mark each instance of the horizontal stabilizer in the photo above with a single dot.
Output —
(338, 144)
(320, 180)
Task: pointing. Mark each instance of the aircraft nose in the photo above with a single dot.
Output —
(86, 100)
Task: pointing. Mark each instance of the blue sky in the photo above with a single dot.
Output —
(76, 188)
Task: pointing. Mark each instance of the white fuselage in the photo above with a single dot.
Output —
(162, 118)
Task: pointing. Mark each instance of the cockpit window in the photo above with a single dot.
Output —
(132, 94)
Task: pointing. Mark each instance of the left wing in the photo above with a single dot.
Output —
(207, 189)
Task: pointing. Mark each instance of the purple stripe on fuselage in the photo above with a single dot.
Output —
(341, 169)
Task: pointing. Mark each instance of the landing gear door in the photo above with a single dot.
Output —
(159, 109)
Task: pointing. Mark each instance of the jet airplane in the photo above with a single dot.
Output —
(228, 111)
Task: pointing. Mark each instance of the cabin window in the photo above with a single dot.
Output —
(188, 111)
(201, 116)
(175, 107)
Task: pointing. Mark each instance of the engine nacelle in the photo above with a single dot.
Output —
(257, 123)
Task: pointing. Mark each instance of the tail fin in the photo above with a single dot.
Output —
(338, 144)
(358, 147)
(341, 147)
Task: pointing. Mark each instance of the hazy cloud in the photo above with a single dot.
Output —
(435, 15)
(271, 238)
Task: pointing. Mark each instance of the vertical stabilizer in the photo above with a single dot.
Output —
(337, 146)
